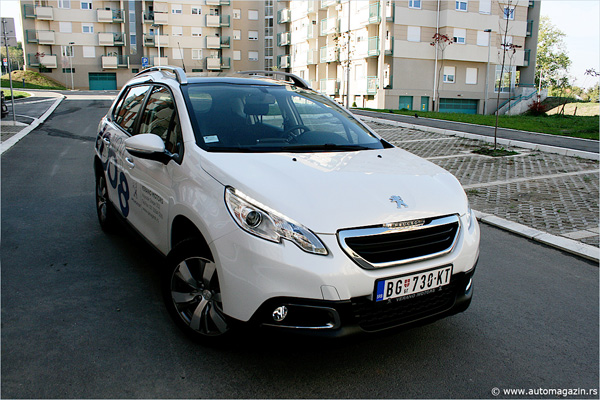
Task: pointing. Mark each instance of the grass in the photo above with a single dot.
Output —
(33, 80)
(568, 125)
(579, 109)
(17, 94)
(498, 152)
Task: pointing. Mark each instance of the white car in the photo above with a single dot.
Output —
(274, 206)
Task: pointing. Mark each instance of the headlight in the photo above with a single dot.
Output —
(268, 224)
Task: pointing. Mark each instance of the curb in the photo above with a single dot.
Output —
(505, 142)
(36, 122)
(569, 245)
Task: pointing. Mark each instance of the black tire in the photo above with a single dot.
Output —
(192, 295)
(104, 209)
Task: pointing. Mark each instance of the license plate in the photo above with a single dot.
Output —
(408, 285)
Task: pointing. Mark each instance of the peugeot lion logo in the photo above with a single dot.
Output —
(398, 201)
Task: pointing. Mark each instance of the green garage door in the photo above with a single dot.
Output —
(405, 102)
(463, 106)
(103, 81)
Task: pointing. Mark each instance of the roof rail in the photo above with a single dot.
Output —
(179, 73)
(294, 78)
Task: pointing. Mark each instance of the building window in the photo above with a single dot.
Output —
(460, 35)
(196, 11)
(87, 28)
(86, 5)
(449, 73)
(68, 70)
(485, 6)
(176, 31)
(253, 56)
(507, 40)
(237, 34)
(461, 5)
(509, 13)
(176, 9)
(64, 3)
(65, 27)
(413, 34)
(196, 54)
(89, 52)
(471, 78)
(237, 13)
(177, 53)
(66, 51)
(213, 11)
(508, 80)
(196, 32)
(237, 55)
(253, 15)
(252, 35)
(483, 38)
(414, 3)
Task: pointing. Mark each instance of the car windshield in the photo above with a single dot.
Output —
(272, 118)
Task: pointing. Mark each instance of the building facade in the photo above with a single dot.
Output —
(413, 54)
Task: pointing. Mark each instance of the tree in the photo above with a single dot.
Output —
(440, 42)
(16, 56)
(552, 59)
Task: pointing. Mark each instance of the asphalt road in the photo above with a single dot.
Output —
(82, 315)
(511, 134)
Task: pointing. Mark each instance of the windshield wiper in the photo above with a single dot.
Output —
(325, 147)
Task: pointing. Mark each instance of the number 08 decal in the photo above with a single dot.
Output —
(118, 181)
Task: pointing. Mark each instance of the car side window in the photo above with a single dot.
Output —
(160, 118)
(126, 116)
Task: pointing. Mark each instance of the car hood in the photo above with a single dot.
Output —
(328, 191)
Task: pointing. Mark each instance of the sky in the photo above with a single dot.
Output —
(578, 19)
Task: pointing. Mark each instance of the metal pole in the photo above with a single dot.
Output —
(348, 63)
(435, 67)
(487, 71)
(71, 64)
(157, 40)
(12, 96)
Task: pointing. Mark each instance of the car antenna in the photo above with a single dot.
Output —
(182, 62)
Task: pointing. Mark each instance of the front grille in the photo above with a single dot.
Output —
(383, 247)
(374, 316)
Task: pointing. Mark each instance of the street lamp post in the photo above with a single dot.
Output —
(157, 40)
(487, 71)
(71, 64)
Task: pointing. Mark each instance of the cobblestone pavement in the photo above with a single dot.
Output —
(552, 193)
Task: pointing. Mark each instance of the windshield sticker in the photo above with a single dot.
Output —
(211, 139)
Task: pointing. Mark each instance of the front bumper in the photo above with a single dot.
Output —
(342, 318)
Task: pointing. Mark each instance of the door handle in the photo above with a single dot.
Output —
(130, 162)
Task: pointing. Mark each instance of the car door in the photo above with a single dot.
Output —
(120, 126)
(152, 183)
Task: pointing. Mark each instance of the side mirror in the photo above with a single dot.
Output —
(147, 146)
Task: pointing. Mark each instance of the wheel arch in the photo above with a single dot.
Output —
(183, 228)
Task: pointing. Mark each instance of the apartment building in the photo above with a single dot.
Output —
(364, 52)
(102, 44)
(384, 51)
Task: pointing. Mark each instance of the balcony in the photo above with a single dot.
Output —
(28, 11)
(373, 49)
(225, 21)
(217, 21)
(109, 15)
(330, 87)
(390, 11)
(111, 39)
(38, 60)
(526, 57)
(31, 36)
(329, 25)
(113, 62)
(46, 37)
(529, 28)
(284, 39)
(225, 2)
(213, 63)
(374, 15)
(310, 31)
(225, 42)
(329, 54)
(371, 85)
(213, 3)
(327, 3)
(44, 13)
(213, 42)
(284, 16)
(389, 46)
(283, 61)
(160, 61)
(225, 63)
(156, 40)
(148, 17)
(161, 18)
(312, 58)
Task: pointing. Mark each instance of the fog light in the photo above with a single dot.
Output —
(280, 313)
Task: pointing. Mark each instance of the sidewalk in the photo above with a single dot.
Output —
(547, 197)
